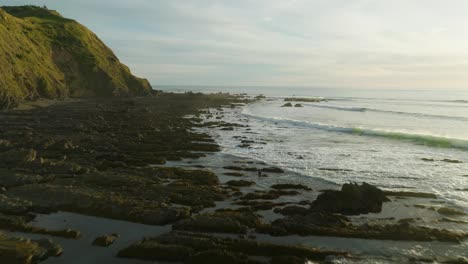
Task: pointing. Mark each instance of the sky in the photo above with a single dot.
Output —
(410, 44)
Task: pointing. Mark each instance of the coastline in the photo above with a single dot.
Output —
(106, 172)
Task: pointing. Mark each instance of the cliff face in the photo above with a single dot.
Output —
(44, 55)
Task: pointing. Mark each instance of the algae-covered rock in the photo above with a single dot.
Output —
(190, 247)
(23, 251)
(20, 223)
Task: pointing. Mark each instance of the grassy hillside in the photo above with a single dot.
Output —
(44, 55)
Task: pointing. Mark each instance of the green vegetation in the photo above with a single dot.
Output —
(44, 55)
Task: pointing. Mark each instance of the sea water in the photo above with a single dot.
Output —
(401, 140)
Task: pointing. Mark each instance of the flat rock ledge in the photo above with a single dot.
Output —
(187, 247)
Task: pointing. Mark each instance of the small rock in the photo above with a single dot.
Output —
(105, 241)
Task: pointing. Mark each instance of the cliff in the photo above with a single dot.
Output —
(44, 55)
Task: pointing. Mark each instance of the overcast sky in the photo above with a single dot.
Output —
(320, 43)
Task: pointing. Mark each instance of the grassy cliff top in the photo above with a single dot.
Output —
(44, 55)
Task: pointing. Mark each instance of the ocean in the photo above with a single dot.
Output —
(399, 140)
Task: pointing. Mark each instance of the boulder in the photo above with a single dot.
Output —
(287, 105)
(352, 199)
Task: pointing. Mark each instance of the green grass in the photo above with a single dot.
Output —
(44, 55)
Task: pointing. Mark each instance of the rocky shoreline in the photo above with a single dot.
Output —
(111, 158)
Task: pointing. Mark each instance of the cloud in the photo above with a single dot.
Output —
(345, 43)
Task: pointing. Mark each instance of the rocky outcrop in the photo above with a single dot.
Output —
(22, 251)
(352, 199)
(325, 224)
(188, 247)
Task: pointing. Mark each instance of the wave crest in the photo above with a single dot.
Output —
(420, 139)
(365, 109)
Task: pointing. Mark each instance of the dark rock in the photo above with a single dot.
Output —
(273, 169)
(452, 161)
(411, 194)
(270, 195)
(298, 105)
(324, 224)
(290, 186)
(460, 260)
(259, 205)
(15, 157)
(353, 199)
(211, 248)
(105, 240)
(5, 144)
(450, 211)
(287, 105)
(53, 249)
(427, 159)
(292, 210)
(240, 183)
(236, 168)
